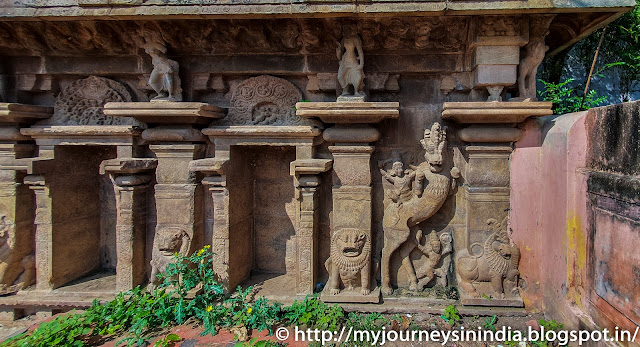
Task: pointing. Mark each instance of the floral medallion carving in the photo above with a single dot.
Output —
(265, 100)
(82, 102)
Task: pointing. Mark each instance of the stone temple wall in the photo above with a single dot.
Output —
(367, 158)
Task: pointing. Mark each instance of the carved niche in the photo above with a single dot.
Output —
(265, 100)
(495, 264)
(418, 193)
(82, 102)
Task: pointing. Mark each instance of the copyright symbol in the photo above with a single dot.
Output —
(282, 334)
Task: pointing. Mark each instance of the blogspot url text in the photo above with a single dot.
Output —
(504, 334)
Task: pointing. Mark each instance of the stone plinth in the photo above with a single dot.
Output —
(175, 142)
(494, 112)
(165, 112)
(348, 112)
(131, 178)
(349, 264)
(487, 245)
(17, 263)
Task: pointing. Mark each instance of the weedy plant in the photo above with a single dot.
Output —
(168, 341)
(490, 323)
(313, 313)
(451, 315)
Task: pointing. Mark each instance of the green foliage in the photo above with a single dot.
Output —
(550, 325)
(168, 340)
(254, 342)
(490, 323)
(67, 330)
(618, 58)
(451, 315)
(313, 313)
(566, 98)
(260, 315)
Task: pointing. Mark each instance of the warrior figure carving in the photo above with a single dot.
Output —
(435, 249)
(423, 203)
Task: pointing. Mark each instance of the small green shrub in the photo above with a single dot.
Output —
(313, 313)
(451, 315)
(490, 323)
(168, 340)
(565, 98)
(67, 330)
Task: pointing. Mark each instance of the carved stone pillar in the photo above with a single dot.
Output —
(307, 181)
(175, 142)
(486, 245)
(17, 242)
(131, 178)
(349, 265)
(217, 220)
(16, 220)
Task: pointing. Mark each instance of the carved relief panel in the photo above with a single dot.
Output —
(82, 102)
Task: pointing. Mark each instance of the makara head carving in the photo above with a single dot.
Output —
(434, 142)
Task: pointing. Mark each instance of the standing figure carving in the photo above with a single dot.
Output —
(535, 51)
(164, 77)
(351, 57)
(429, 189)
(498, 264)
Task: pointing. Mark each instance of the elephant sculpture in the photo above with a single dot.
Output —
(497, 263)
(429, 190)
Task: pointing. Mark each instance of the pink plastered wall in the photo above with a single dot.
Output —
(564, 236)
(549, 211)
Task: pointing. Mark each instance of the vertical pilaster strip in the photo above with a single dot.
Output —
(217, 187)
(131, 198)
(306, 250)
(44, 235)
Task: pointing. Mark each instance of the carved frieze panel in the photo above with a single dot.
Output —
(68, 38)
(265, 100)
(512, 30)
(232, 36)
(82, 102)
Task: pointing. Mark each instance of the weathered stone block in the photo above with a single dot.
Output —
(488, 75)
(496, 55)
